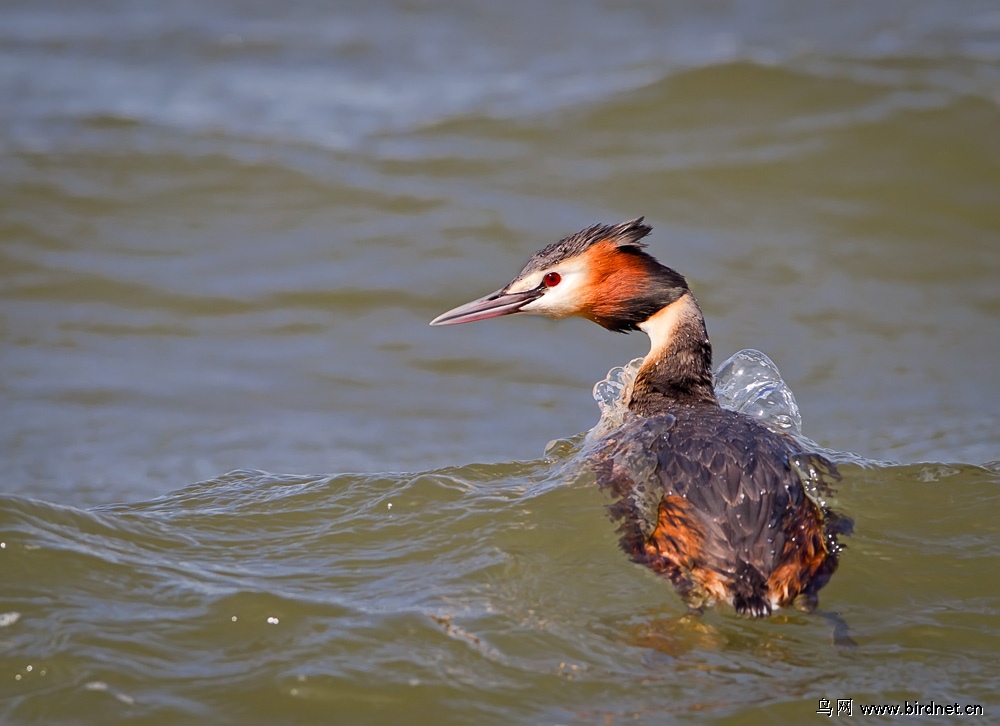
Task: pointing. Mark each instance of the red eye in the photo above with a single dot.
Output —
(551, 279)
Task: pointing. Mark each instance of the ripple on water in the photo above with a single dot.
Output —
(488, 590)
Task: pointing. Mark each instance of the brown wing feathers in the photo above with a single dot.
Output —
(723, 513)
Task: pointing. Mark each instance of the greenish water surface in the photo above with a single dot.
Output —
(224, 228)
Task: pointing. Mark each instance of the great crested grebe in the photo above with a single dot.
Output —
(722, 509)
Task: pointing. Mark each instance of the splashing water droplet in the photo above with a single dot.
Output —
(748, 382)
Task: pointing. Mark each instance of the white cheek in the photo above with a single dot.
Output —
(560, 301)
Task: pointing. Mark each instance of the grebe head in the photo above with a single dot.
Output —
(601, 273)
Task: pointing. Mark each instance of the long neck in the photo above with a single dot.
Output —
(678, 368)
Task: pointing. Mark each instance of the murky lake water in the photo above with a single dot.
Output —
(224, 228)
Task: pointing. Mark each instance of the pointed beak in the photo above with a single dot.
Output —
(491, 306)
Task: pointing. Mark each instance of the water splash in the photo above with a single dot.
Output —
(750, 383)
(612, 394)
(747, 382)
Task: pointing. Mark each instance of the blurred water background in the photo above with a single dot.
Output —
(224, 227)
